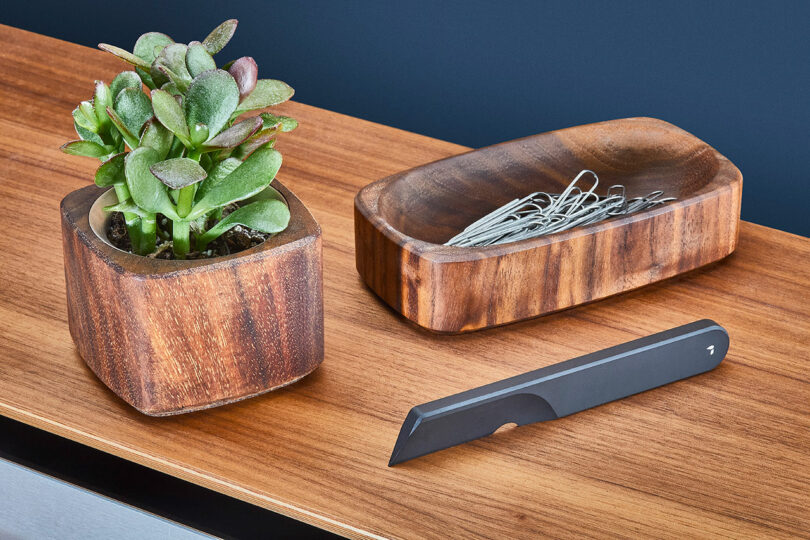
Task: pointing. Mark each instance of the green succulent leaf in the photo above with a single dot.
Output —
(211, 99)
(134, 109)
(268, 92)
(101, 100)
(129, 138)
(260, 139)
(220, 36)
(198, 59)
(252, 176)
(245, 72)
(287, 123)
(236, 134)
(177, 148)
(129, 207)
(116, 137)
(80, 119)
(87, 135)
(268, 193)
(217, 173)
(124, 55)
(145, 78)
(125, 79)
(267, 216)
(148, 43)
(170, 114)
(145, 188)
(206, 162)
(87, 110)
(178, 173)
(85, 148)
(111, 171)
(170, 65)
(179, 82)
(156, 136)
(171, 88)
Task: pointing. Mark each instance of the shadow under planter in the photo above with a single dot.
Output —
(172, 337)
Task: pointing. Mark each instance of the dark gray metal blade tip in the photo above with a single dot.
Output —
(411, 421)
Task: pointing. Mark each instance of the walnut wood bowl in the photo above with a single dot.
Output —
(402, 221)
(171, 337)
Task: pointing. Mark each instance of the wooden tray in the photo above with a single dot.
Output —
(402, 221)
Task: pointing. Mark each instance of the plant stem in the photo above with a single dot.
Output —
(180, 229)
(185, 199)
(132, 221)
(148, 234)
(180, 239)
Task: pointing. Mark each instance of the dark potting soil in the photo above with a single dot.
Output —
(237, 239)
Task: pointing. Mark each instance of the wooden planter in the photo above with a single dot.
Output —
(402, 221)
(177, 336)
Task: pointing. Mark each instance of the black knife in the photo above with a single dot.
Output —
(562, 389)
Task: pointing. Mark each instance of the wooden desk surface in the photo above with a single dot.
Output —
(723, 454)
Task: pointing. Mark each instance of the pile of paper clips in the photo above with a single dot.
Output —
(542, 213)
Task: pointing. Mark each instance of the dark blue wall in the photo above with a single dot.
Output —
(736, 74)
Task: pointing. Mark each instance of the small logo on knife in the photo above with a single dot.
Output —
(710, 348)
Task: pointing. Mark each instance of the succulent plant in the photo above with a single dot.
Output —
(178, 150)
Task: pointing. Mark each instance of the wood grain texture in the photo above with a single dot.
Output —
(723, 454)
(178, 336)
(402, 221)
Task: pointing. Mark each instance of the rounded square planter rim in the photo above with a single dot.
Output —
(302, 229)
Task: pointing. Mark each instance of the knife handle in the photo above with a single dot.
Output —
(633, 367)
